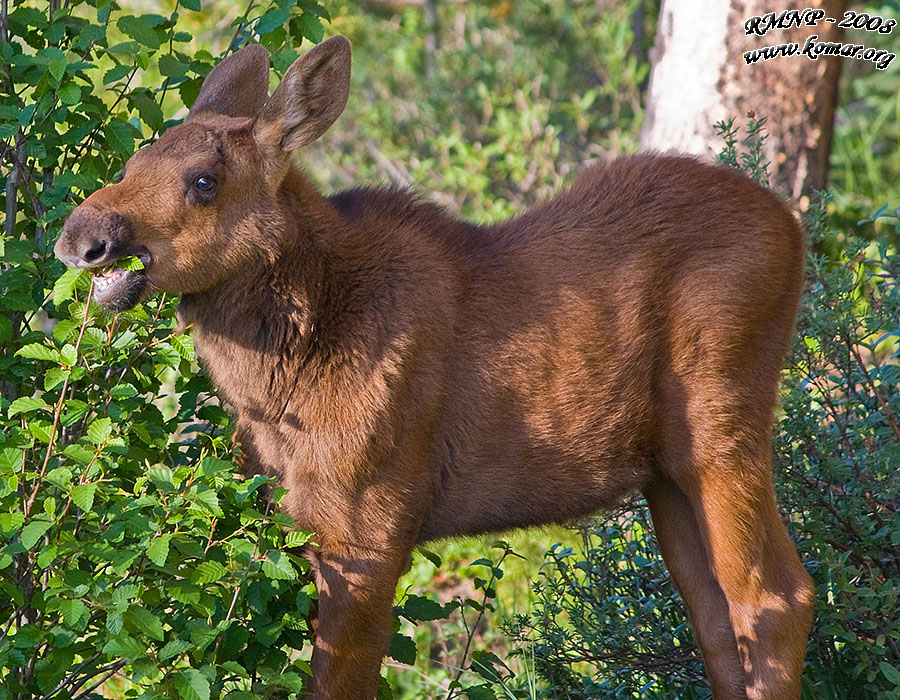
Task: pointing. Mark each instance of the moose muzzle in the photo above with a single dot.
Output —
(97, 240)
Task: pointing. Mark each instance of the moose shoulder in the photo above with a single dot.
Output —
(408, 376)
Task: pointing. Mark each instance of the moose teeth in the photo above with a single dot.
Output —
(107, 279)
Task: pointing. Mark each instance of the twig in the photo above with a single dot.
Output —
(881, 402)
(165, 86)
(237, 31)
(4, 36)
(90, 137)
(113, 668)
(58, 410)
(71, 677)
(471, 634)
(4, 21)
(12, 183)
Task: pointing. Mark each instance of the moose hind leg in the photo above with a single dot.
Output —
(751, 557)
(683, 549)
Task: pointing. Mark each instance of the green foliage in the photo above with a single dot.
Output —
(839, 448)
(607, 621)
(484, 123)
(865, 160)
(131, 549)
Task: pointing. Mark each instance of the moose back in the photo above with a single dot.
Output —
(408, 376)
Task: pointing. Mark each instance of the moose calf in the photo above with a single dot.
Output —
(407, 376)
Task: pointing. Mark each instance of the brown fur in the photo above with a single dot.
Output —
(408, 376)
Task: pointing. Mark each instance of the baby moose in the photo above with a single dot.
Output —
(407, 376)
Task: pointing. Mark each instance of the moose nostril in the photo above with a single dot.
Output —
(95, 252)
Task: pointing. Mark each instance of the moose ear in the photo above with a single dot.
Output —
(312, 94)
(236, 87)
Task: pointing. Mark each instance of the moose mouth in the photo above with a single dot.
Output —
(118, 288)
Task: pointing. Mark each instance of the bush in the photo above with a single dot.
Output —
(608, 620)
(133, 553)
(838, 454)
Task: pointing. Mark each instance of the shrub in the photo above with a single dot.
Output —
(131, 547)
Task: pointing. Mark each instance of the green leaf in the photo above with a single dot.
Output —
(190, 684)
(207, 499)
(277, 565)
(124, 594)
(174, 648)
(72, 611)
(10, 523)
(158, 551)
(64, 287)
(60, 476)
(114, 623)
(423, 609)
(41, 430)
(184, 345)
(208, 571)
(151, 113)
(433, 557)
(99, 430)
(12, 460)
(312, 28)
(272, 19)
(123, 340)
(83, 496)
(54, 377)
(892, 673)
(402, 649)
(33, 532)
(296, 538)
(64, 330)
(191, 5)
(480, 692)
(117, 73)
(56, 62)
(235, 668)
(171, 67)
(39, 351)
(79, 453)
(26, 404)
(28, 17)
(213, 465)
(130, 263)
(141, 30)
(69, 94)
(162, 478)
(120, 136)
(125, 647)
(69, 354)
(123, 391)
(145, 621)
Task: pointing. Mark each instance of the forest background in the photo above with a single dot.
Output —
(135, 562)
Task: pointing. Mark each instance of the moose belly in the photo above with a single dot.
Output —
(520, 470)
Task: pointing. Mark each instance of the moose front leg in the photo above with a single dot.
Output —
(356, 588)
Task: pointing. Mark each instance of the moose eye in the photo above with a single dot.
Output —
(205, 183)
(200, 187)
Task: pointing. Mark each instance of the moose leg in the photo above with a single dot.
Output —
(747, 550)
(769, 593)
(682, 547)
(356, 588)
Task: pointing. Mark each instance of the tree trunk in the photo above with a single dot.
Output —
(700, 77)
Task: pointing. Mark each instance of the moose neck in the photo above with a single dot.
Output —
(264, 324)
